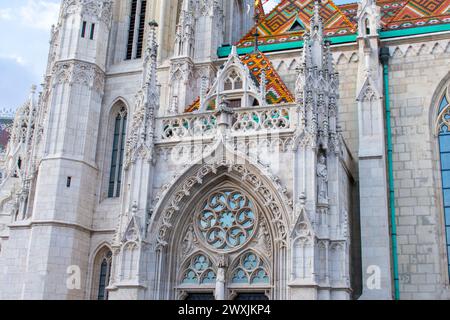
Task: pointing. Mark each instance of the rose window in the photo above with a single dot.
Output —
(227, 220)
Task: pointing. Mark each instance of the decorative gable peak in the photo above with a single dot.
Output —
(252, 79)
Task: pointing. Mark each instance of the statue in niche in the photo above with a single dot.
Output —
(220, 280)
(322, 179)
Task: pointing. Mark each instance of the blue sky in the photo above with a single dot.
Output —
(25, 32)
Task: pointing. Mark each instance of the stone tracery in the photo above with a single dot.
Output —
(227, 220)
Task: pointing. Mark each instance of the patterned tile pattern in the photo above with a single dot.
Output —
(275, 27)
(341, 20)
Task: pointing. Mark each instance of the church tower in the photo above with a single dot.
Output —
(64, 190)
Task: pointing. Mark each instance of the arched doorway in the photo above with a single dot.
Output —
(221, 232)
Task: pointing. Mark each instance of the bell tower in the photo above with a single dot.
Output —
(64, 193)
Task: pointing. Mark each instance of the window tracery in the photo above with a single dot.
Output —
(443, 130)
(250, 270)
(443, 122)
(199, 271)
(227, 220)
(233, 81)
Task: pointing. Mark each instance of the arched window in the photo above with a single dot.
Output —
(226, 226)
(120, 128)
(443, 128)
(233, 81)
(101, 274)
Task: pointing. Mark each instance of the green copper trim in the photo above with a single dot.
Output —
(224, 51)
(384, 57)
(414, 31)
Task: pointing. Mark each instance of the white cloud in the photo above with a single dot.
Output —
(16, 58)
(39, 14)
(6, 14)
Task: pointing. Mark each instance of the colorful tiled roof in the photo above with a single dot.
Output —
(340, 20)
(414, 13)
(277, 91)
(407, 13)
(289, 19)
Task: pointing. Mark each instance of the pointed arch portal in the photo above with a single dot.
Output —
(221, 231)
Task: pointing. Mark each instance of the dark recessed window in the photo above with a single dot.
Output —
(140, 40)
(115, 178)
(131, 30)
(92, 31)
(83, 29)
(135, 44)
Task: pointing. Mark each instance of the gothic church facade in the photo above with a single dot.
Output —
(207, 149)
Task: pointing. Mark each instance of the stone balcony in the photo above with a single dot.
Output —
(279, 119)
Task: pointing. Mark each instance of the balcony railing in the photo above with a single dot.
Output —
(274, 118)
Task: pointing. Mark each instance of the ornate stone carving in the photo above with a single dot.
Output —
(99, 9)
(140, 143)
(183, 190)
(189, 241)
(227, 220)
(78, 72)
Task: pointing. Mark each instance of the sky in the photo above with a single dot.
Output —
(25, 32)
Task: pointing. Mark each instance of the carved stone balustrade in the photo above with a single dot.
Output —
(278, 118)
(190, 126)
(246, 121)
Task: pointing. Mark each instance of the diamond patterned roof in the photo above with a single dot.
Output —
(340, 20)
(276, 26)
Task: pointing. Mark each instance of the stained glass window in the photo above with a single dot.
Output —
(250, 270)
(444, 147)
(115, 179)
(227, 220)
(199, 271)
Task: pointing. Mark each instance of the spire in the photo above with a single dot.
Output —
(316, 24)
(316, 86)
(316, 41)
(259, 12)
(150, 62)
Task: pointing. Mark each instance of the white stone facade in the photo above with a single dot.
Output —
(284, 201)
